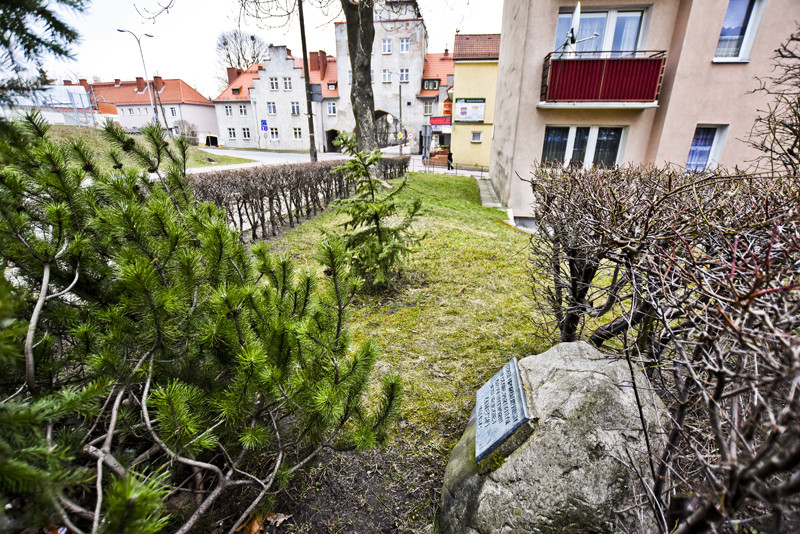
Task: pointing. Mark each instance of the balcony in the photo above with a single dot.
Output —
(602, 79)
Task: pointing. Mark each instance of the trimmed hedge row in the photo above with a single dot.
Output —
(260, 200)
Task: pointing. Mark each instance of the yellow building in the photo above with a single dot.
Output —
(474, 90)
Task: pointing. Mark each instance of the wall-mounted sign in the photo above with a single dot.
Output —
(263, 125)
(469, 110)
(441, 121)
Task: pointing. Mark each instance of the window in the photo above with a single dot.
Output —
(331, 87)
(229, 111)
(242, 109)
(405, 44)
(582, 146)
(272, 109)
(298, 133)
(273, 134)
(386, 46)
(287, 84)
(387, 76)
(616, 30)
(245, 133)
(231, 133)
(139, 111)
(332, 108)
(372, 75)
(350, 77)
(295, 108)
(476, 137)
(403, 75)
(427, 108)
(130, 111)
(173, 111)
(738, 30)
(430, 84)
(273, 84)
(236, 91)
(705, 149)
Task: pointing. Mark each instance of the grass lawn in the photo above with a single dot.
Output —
(98, 145)
(464, 311)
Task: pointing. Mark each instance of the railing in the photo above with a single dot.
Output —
(614, 76)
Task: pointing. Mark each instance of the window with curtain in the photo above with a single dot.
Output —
(579, 146)
(616, 31)
(607, 146)
(555, 145)
(734, 27)
(700, 152)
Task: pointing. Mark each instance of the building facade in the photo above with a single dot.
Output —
(265, 106)
(474, 90)
(173, 99)
(669, 81)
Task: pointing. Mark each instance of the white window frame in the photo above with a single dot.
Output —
(272, 109)
(246, 133)
(477, 137)
(295, 108)
(403, 75)
(298, 133)
(591, 144)
(331, 87)
(273, 134)
(173, 111)
(242, 110)
(287, 83)
(387, 76)
(716, 146)
(228, 111)
(749, 34)
(273, 83)
(430, 84)
(427, 107)
(231, 133)
(386, 46)
(331, 108)
(611, 24)
(405, 45)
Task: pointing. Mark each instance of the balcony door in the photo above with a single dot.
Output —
(617, 31)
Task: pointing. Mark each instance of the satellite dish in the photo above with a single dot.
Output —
(572, 37)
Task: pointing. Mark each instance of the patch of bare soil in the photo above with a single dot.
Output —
(376, 492)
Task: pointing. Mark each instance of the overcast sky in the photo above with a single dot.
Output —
(183, 39)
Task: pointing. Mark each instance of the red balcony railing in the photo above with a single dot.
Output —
(603, 76)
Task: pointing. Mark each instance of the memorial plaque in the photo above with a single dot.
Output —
(500, 409)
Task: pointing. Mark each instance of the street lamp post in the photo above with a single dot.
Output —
(400, 86)
(146, 79)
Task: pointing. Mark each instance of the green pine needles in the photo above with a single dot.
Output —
(156, 363)
(381, 234)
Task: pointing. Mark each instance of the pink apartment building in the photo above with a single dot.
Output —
(669, 81)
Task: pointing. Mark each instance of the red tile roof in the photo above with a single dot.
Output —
(128, 93)
(476, 47)
(437, 67)
(244, 82)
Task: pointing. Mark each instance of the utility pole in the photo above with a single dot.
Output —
(402, 139)
(147, 83)
(312, 150)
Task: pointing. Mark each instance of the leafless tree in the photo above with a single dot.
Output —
(238, 49)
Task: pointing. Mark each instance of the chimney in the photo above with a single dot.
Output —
(140, 84)
(159, 83)
(117, 82)
(445, 52)
(84, 83)
(323, 64)
(233, 73)
(288, 54)
(67, 82)
(313, 61)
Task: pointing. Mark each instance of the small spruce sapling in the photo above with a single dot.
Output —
(381, 227)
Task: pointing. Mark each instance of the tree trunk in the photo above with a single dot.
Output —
(360, 34)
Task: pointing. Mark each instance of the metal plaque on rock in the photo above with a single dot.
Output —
(500, 409)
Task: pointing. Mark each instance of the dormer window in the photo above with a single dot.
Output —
(331, 87)
(235, 91)
(430, 84)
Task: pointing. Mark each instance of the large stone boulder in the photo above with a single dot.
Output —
(573, 473)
